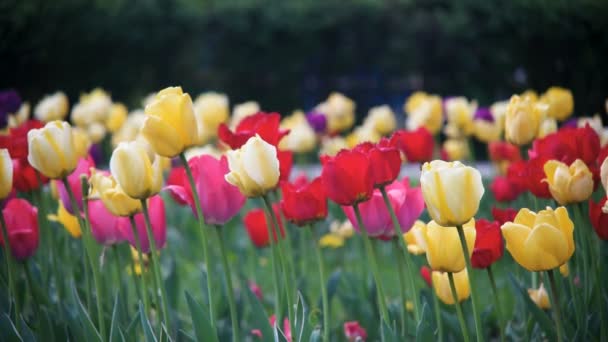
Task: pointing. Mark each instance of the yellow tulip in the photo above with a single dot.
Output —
(443, 248)
(564, 270)
(112, 195)
(170, 125)
(117, 117)
(547, 126)
(343, 229)
(560, 102)
(569, 184)
(211, 110)
(6, 173)
(331, 146)
(540, 297)
(362, 134)
(530, 94)
(137, 172)
(542, 241)
(381, 119)
(243, 110)
(441, 284)
(451, 191)
(331, 240)
(339, 111)
(82, 142)
(130, 129)
(67, 220)
(523, 120)
(301, 138)
(487, 131)
(96, 132)
(456, 149)
(52, 150)
(416, 238)
(424, 110)
(52, 107)
(254, 168)
(460, 112)
(93, 107)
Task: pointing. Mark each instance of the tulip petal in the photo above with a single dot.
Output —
(546, 248)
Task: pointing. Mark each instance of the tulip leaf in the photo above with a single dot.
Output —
(27, 335)
(424, 330)
(172, 284)
(203, 329)
(131, 330)
(260, 318)
(539, 315)
(114, 329)
(146, 326)
(9, 331)
(388, 334)
(315, 336)
(89, 328)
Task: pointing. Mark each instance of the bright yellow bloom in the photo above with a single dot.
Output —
(6, 173)
(523, 120)
(170, 126)
(211, 110)
(409, 306)
(116, 117)
(564, 270)
(560, 102)
(301, 138)
(331, 240)
(530, 94)
(456, 149)
(441, 284)
(540, 297)
(339, 111)
(569, 184)
(137, 172)
(112, 196)
(82, 142)
(67, 220)
(416, 238)
(451, 191)
(52, 150)
(487, 131)
(459, 113)
(139, 265)
(424, 110)
(254, 168)
(443, 248)
(381, 119)
(52, 107)
(542, 241)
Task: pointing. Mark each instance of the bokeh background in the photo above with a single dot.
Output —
(291, 54)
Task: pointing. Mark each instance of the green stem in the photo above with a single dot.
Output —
(203, 236)
(119, 282)
(403, 251)
(229, 290)
(497, 304)
(30, 286)
(10, 268)
(374, 266)
(474, 293)
(555, 305)
(324, 298)
(402, 287)
(463, 325)
(437, 315)
(142, 279)
(273, 262)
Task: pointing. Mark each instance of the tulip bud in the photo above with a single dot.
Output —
(21, 220)
(52, 150)
(569, 184)
(52, 107)
(523, 120)
(112, 195)
(137, 173)
(211, 110)
(441, 284)
(116, 117)
(540, 297)
(443, 247)
(340, 112)
(451, 191)
(6, 173)
(381, 119)
(416, 238)
(560, 102)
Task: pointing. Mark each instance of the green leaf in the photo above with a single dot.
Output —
(388, 334)
(172, 284)
(89, 328)
(200, 321)
(260, 317)
(539, 315)
(315, 336)
(131, 330)
(145, 323)
(27, 335)
(114, 328)
(424, 329)
(7, 327)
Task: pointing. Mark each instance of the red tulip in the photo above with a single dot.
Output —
(83, 168)
(567, 145)
(535, 175)
(504, 190)
(16, 141)
(159, 226)
(353, 331)
(602, 155)
(266, 125)
(21, 220)
(255, 223)
(304, 204)
(500, 151)
(503, 215)
(426, 274)
(25, 177)
(285, 164)
(599, 219)
(488, 244)
(417, 145)
(347, 177)
(385, 161)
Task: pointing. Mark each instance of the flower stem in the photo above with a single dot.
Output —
(374, 266)
(402, 287)
(119, 282)
(497, 303)
(463, 325)
(467, 258)
(273, 261)
(437, 316)
(403, 251)
(324, 299)
(156, 268)
(10, 267)
(203, 236)
(555, 305)
(229, 290)
(142, 279)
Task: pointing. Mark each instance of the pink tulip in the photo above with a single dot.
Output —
(159, 226)
(21, 220)
(105, 227)
(83, 168)
(220, 200)
(407, 203)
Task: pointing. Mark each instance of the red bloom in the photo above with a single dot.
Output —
(266, 125)
(426, 274)
(353, 331)
(488, 244)
(503, 215)
(347, 177)
(385, 161)
(602, 155)
(598, 218)
(500, 150)
(567, 145)
(16, 141)
(417, 145)
(285, 164)
(22, 227)
(304, 204)
(504, 190)
(25, 177)
(534, 176)
(255, 223)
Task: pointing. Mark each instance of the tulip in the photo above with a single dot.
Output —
(220, 200)
(331, 146)
(442, 288)
(16, 140)
(347, 177)
(254, 168)
(416, 238)
(67, 220)
(243, 110)
(455, 149)
(264, 125)
(112, 195)
(130, 129)
(503, 215)
(6, 174)
(522, 120)
(354, 332)
(331, 240)
(599, 218)
(105, 227)
(444, 185)
(339, 111)
(504, 190)
(503, 154)
(21, 223)
(83, 168)
(285, 164)
(159, 226)
(530, 175)
(304, 204)
(116, 117)
(256, 225)
(443, 247)
(540, 297)
(52, 150)
(416, 145)
(540, 241)
(424, 110)
(604, 174)
(211, 110)
(547, 126)
(425, 273)
(25, 177)
(301, 137)
(137, 173)
(82, 142)
(384, 161)
(488, 244)
(317, 121)
(487, 131)
(381, 119)
(406, 202)
(569, 184)
(560, 102)
(170, 124)
(460, 112)
(567, 145)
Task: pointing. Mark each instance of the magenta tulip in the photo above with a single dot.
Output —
(220, 200)
(21, 220)
(407, 202)
(105, 227)
(158, 221)
(83, 168)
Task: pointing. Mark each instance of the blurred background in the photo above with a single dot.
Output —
(292, 54)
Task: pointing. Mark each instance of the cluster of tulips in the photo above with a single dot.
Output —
(200, 157)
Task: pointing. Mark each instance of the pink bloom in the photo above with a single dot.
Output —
(354, 332)
(159, 226)
(257, 291)
(407, 202)
(286, 328)
(21, 220)
(105, 227)
(83, 168)
(220, 200)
